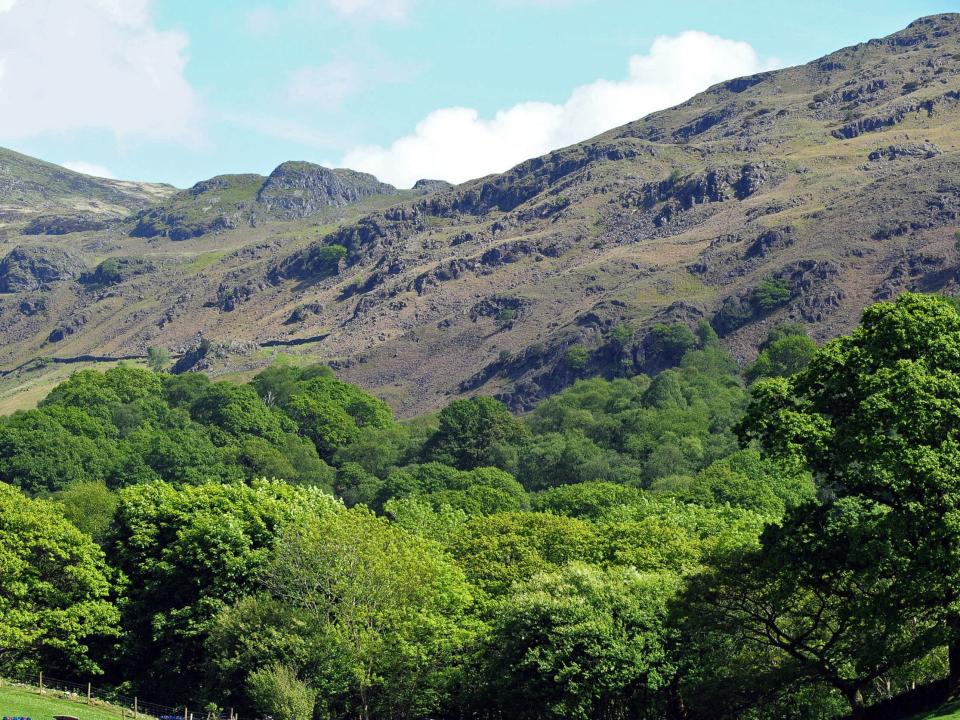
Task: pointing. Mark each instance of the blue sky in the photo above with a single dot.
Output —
(180, 90)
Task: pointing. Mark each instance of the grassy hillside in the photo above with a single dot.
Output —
(24, 702)
(31, 188)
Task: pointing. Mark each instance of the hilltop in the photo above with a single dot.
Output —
(802, 194)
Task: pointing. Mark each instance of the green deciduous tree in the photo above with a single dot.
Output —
(876, 416)
(473, 432)
(186, 553)
(388, 608)
(581, 643)
(54, 601)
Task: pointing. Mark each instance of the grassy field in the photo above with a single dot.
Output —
(18, 701)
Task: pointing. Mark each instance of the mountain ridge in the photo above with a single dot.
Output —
(800, 194)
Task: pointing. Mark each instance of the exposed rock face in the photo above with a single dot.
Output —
(36, 267)
(64, 224)
(923, 150)
(116, 270)
(300, 189)
(430, 186)
(293, 191)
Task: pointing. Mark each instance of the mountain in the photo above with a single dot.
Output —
(294, 190)
(801, 194)
(40, 197)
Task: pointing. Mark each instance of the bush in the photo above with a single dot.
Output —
(276, 691)
(577, 357)
(770, 294)
(326, 259)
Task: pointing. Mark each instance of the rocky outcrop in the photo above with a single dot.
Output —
(65, 224)
(113, 271)
(36, 267)
(300, 189)
(426, 187)
(922, 151)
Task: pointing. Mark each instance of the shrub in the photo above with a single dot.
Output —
(577, 357)
(277, 691)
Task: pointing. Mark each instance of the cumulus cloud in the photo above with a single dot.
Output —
(88, 169)
(101, 64)
(457, 144)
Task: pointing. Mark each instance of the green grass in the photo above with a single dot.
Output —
(18, 701)
(951, 711)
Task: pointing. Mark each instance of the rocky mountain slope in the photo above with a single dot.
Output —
(294, 190)
(42, 198)
(801, 194)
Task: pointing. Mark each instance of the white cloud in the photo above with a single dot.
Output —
(324, 86)
(101, 64)
(457, 144)
(395, 10)
(88, 169)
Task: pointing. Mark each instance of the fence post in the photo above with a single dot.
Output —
(88, 693)
(185, 717)
(136, 708)
(41, 682)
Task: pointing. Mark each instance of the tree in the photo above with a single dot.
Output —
(187, 552)
(158, 358)
(89, 506)
(667, 344)
(786, 351)
(496, 551)
(816, 604)
(577, 357)
(581, 643)
(388, 606)
(55, 601)
(471, 431)
(876, 417)
(275, 690)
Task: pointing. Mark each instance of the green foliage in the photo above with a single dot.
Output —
(876, 416)
(614, 553)
(158, 358)
(385, 609)
(325, 259)
(499, 550)
(769, 295)
(186, 553)
(506, 316)
(577, 357)
(667, 344)
(330, 412)
(108, 272)
(475, 432)
(621, 335)
(55, 590)
(276, 690)
(786, 351)
(89, 506)
(581, 643)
